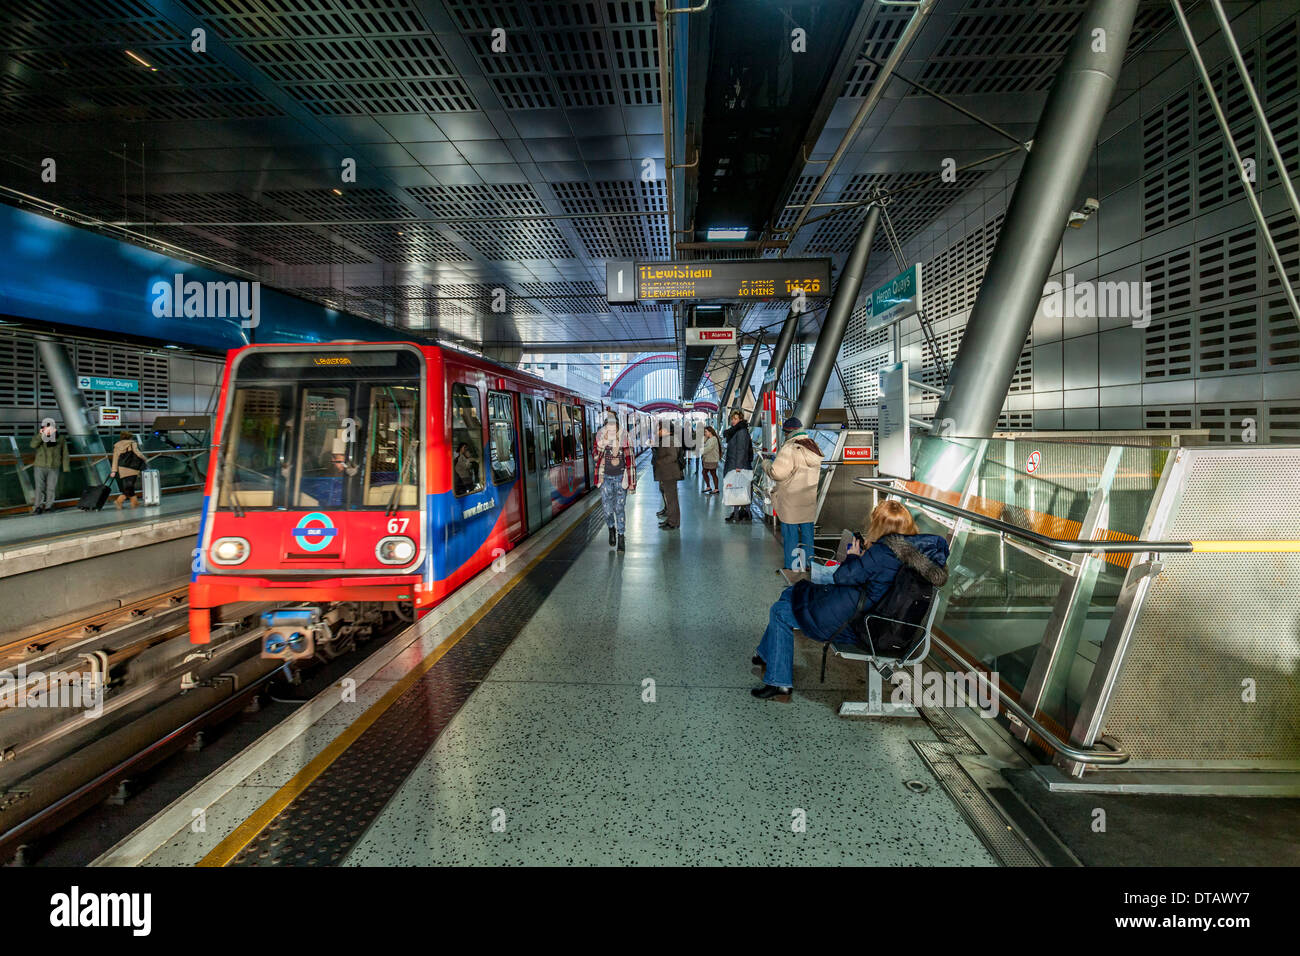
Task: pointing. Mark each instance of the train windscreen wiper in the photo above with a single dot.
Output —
(401, 478)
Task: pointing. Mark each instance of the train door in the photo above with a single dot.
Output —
(532, 462)
(544, 450)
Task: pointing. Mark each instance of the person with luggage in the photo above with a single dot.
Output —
(667, 461)
(825, 612)
(615, 476)
(710, 455)
(794, 500)
(51, 458)
(128, 462)
(739, 457)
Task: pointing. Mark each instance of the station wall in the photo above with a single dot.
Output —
(1221, 349)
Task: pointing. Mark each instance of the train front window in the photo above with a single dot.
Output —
(341, 437)
(254, 466)
(392, 458)
(327, 449)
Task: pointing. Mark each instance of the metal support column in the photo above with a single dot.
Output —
(83, 438)
(742, 384)
(837, 321)
(724, 397)
(1035, 220)
(774, 367)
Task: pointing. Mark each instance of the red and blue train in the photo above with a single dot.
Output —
(374, 477)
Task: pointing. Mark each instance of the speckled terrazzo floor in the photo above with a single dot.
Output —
(559, 758)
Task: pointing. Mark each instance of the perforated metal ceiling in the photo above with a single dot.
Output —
(488, 147)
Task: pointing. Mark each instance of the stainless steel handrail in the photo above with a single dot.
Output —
(1041, 540)
(1113, 755)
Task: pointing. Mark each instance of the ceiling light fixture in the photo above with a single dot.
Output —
(726, 232)
(336, 191)
(142, 62)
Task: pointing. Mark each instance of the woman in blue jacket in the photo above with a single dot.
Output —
(823, 611)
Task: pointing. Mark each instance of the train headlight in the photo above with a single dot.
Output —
(395, 549)
(229, 551)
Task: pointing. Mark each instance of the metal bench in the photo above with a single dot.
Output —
(881, 666)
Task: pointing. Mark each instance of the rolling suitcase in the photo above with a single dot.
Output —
(152, 486)
(93, 498)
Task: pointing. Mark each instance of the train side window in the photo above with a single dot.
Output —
(466, 441)
(554, 438)
(566, 425)
(501, 436)
(579, 434)
(530, 439)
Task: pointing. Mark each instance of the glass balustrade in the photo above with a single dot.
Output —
(1035, 617)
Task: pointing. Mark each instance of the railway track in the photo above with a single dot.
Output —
(58, 768)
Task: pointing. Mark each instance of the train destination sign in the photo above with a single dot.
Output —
(723, 279)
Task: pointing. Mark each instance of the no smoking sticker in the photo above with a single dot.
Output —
(1035, 459)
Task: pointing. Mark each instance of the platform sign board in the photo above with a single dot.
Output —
(898, 298)
(725, 279)
(109, 416)
(895, 431)
(700, 336)
(97, 383)
(620, 281)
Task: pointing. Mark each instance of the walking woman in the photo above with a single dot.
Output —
(710, 455)
(615, 475)
(128, 462)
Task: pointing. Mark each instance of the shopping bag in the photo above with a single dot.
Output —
(735, 486)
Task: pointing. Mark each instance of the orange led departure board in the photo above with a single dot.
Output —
(725, 279)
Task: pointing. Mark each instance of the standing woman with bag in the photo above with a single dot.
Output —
(710, 455)
(740, 457)
(128, 462)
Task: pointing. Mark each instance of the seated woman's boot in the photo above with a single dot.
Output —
(770, 692)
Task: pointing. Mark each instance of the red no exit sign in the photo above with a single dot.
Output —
(857, 453)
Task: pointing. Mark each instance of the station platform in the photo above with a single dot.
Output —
(559, 711)
(68, 564)
(22, 534)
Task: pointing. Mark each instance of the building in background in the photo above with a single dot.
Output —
(578, 371)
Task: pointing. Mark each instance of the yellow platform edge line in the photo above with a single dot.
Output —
(246, 832)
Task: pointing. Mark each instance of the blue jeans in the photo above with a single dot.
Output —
(614, 497)
(777, 646)
(795, 536)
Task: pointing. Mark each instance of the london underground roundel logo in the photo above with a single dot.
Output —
(314, 538)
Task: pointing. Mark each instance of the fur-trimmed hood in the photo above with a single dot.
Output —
(926, 554)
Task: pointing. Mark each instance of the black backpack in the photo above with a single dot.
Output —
(907, 601)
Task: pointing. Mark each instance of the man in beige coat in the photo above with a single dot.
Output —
(794, 500)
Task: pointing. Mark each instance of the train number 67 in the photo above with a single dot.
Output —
(398, 525)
